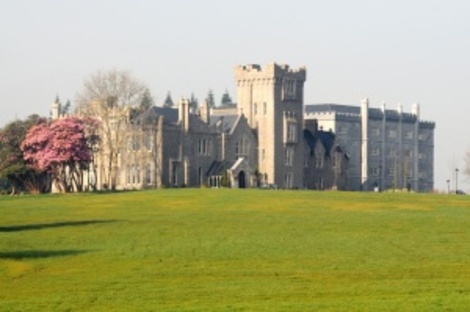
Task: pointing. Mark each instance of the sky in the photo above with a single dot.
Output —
(390, 51)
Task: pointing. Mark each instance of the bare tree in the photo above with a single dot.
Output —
(109, 96)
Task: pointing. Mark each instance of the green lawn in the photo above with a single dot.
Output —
(235, 250)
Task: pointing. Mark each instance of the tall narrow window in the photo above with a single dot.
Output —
(289, 156)
(148, 174)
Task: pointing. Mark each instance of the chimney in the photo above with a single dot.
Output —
(205, 112)
(183, 114)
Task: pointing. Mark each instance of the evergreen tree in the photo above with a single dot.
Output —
(65, 109)
(210, 99)
(147, 100)
(226, 99)
(193, 102)
(168, 101)
(57, 99)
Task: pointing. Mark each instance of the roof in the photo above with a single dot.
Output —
(326, 138)
(224, 123)
(317, 108)
(218, 167)
(150, 115)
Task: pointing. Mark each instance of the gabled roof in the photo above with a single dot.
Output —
(218, 167)
(326, 138)
(224, 123)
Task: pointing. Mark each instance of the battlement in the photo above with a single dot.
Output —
(427, 124)
(272, 70)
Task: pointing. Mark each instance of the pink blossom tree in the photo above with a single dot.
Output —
(60, 148)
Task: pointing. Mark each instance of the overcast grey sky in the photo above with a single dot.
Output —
(394, 51)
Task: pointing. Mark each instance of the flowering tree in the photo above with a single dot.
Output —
(60, 148)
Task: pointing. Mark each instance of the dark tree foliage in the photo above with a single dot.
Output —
(66, 108)
(193, 102)
(226, 99)
(15, 175)
(210, 99)
(168, 101)
(147, 100)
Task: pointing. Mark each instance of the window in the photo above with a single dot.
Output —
(138, 174)
(148, 142)
(204, 147)
(392, 152)
(289, 156)
(148, 174)
(133, 175)
(289, 180)
(409, 134)
(342, 129)
(376, 132)
(375, 171)
(291, 132)
(375, 151)
(265, 108)
(289, 89)
(242, 147)
(135, 143)
(392, 133)
(391, 172)
(319, 161)
(263, 154)
(255, 109)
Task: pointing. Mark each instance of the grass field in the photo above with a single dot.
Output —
(235, 250)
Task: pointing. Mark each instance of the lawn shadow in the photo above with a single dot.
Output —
(36, 254)
(42, 226)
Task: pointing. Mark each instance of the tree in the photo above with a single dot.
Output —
(108, 97)
(65, 109)
(210, 99)
(193, 102)
(147, 100)
(13, 169)
(226, 99)
(168, 101)
(61, 149)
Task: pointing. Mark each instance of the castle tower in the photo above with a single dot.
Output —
(272, 101)
(55, 110)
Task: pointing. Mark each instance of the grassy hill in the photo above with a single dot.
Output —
(235, 250)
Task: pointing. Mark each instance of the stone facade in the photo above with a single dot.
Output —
(388, 149)
(272, 101)
(269, 138)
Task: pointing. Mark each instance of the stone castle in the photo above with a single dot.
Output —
(271, 139)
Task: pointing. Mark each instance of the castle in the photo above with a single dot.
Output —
(270, 139)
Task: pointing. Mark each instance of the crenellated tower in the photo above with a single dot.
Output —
(272, 101)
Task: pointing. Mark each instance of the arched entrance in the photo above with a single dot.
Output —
(241, 179)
